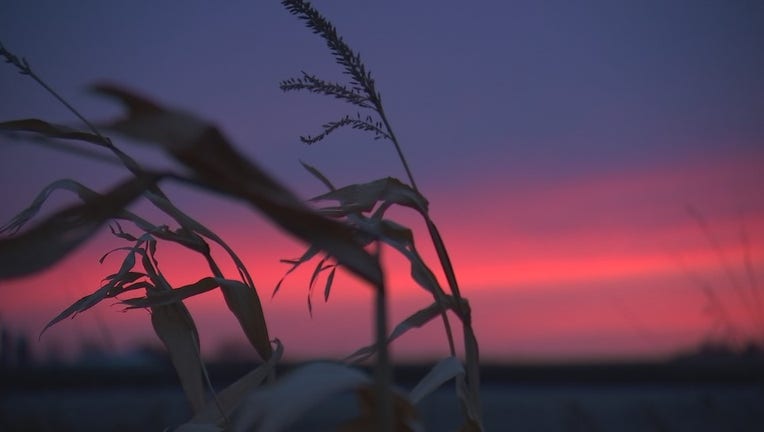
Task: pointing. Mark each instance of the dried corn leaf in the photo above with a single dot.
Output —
(319, 268)
(126, 278)
(185, 238)
(443, 371)
(445, 261)
(415, 320)
(243, 301)
(468, 389)
(125, 275)
(28, 213)
(79, 306)
(360, 198)
(319, 175)
(59, 234)
(230, 398)
(273, 408)
(329, 282)
(196, 228)
(175, 327)
(241, 298)
(402, 239)
(163, 298)
(50, 130)
(306, 256)
(203, 148)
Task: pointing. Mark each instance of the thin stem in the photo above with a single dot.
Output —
(207, 381)
(383, 373)
(449, 332)
(74, 111)
(383, 117)
(129, 163)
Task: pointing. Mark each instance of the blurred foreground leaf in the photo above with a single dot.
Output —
(273, 408)
(207, 152)
(52, 239)
(50, 130)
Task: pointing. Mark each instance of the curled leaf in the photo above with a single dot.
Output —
(28, 213)
(443, 371)
(51, 240)
(415, 320)
(363, 197)
(306, 256)
(163, 298)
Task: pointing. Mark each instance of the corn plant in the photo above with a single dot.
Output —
(346, 227)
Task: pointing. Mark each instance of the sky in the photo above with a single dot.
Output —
(595, 168)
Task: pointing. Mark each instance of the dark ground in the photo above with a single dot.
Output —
(695, 395)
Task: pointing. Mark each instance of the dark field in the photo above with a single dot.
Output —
(677, 396)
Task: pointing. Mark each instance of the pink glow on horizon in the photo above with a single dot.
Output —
(595, 267)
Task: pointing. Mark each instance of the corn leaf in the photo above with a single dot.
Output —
(195, 228)
(203, 148)
(110, 289)
(175, 327)
(443, 371)
(53, 239)
(243, 301)
(468, 389)
(329, 282)
(241, 298)
(28, 213)
(306, 256)
(80, 305)
(319, 175)
(163, 298)
(363, 197)
(50, 130)
(415, 320)
(319, 268)
(230, 398)
(273, 408)
(402, 239)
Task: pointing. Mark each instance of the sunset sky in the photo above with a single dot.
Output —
(572, 156)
